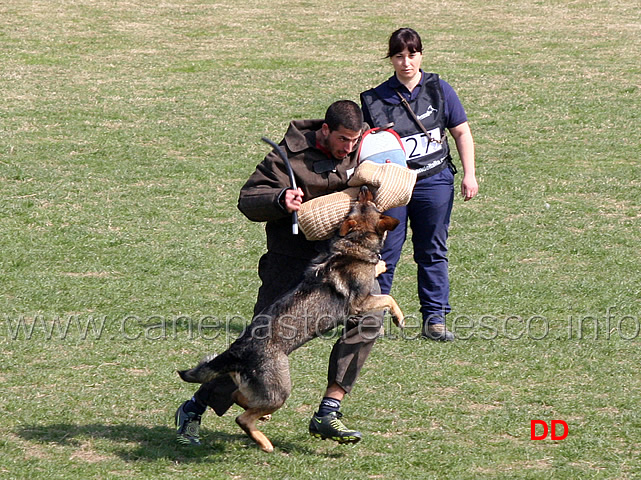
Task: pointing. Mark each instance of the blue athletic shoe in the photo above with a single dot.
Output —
(187, 427)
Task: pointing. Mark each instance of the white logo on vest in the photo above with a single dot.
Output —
(430, 111)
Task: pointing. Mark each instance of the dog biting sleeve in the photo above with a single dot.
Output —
(382, 164)
(319, 218)
(395, 182)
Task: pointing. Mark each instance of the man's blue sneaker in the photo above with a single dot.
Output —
(187, 427)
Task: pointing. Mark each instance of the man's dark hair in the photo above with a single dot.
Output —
(345, 113)
(404, 38)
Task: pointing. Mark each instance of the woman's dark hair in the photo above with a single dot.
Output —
(345, 113)
(404, 38)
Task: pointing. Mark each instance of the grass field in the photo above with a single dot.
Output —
(126, 131)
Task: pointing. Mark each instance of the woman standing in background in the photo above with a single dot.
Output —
(423, 107)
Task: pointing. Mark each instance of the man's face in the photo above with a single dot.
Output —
(341, 142)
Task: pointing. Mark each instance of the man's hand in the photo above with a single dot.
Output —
(293, 199)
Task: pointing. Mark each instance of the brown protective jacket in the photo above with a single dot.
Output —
(316, 174)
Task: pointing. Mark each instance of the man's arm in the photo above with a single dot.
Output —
(261, 199)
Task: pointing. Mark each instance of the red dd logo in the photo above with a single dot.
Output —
(553, 430)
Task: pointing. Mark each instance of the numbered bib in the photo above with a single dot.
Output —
(420, 145)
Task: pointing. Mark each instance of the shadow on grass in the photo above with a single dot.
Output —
(136, 443)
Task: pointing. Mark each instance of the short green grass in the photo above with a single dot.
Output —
(126, 131)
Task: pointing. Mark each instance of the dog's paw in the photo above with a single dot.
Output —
(399, 320)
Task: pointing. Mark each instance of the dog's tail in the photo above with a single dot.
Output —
(208, 369)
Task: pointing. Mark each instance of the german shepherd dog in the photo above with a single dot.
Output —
(336, 285)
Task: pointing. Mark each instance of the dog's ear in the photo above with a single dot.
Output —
(365, 195)
(347, 227)
(386, 223)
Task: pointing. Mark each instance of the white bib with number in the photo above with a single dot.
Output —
(419, 145)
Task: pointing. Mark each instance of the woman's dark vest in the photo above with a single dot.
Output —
(430, 155)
